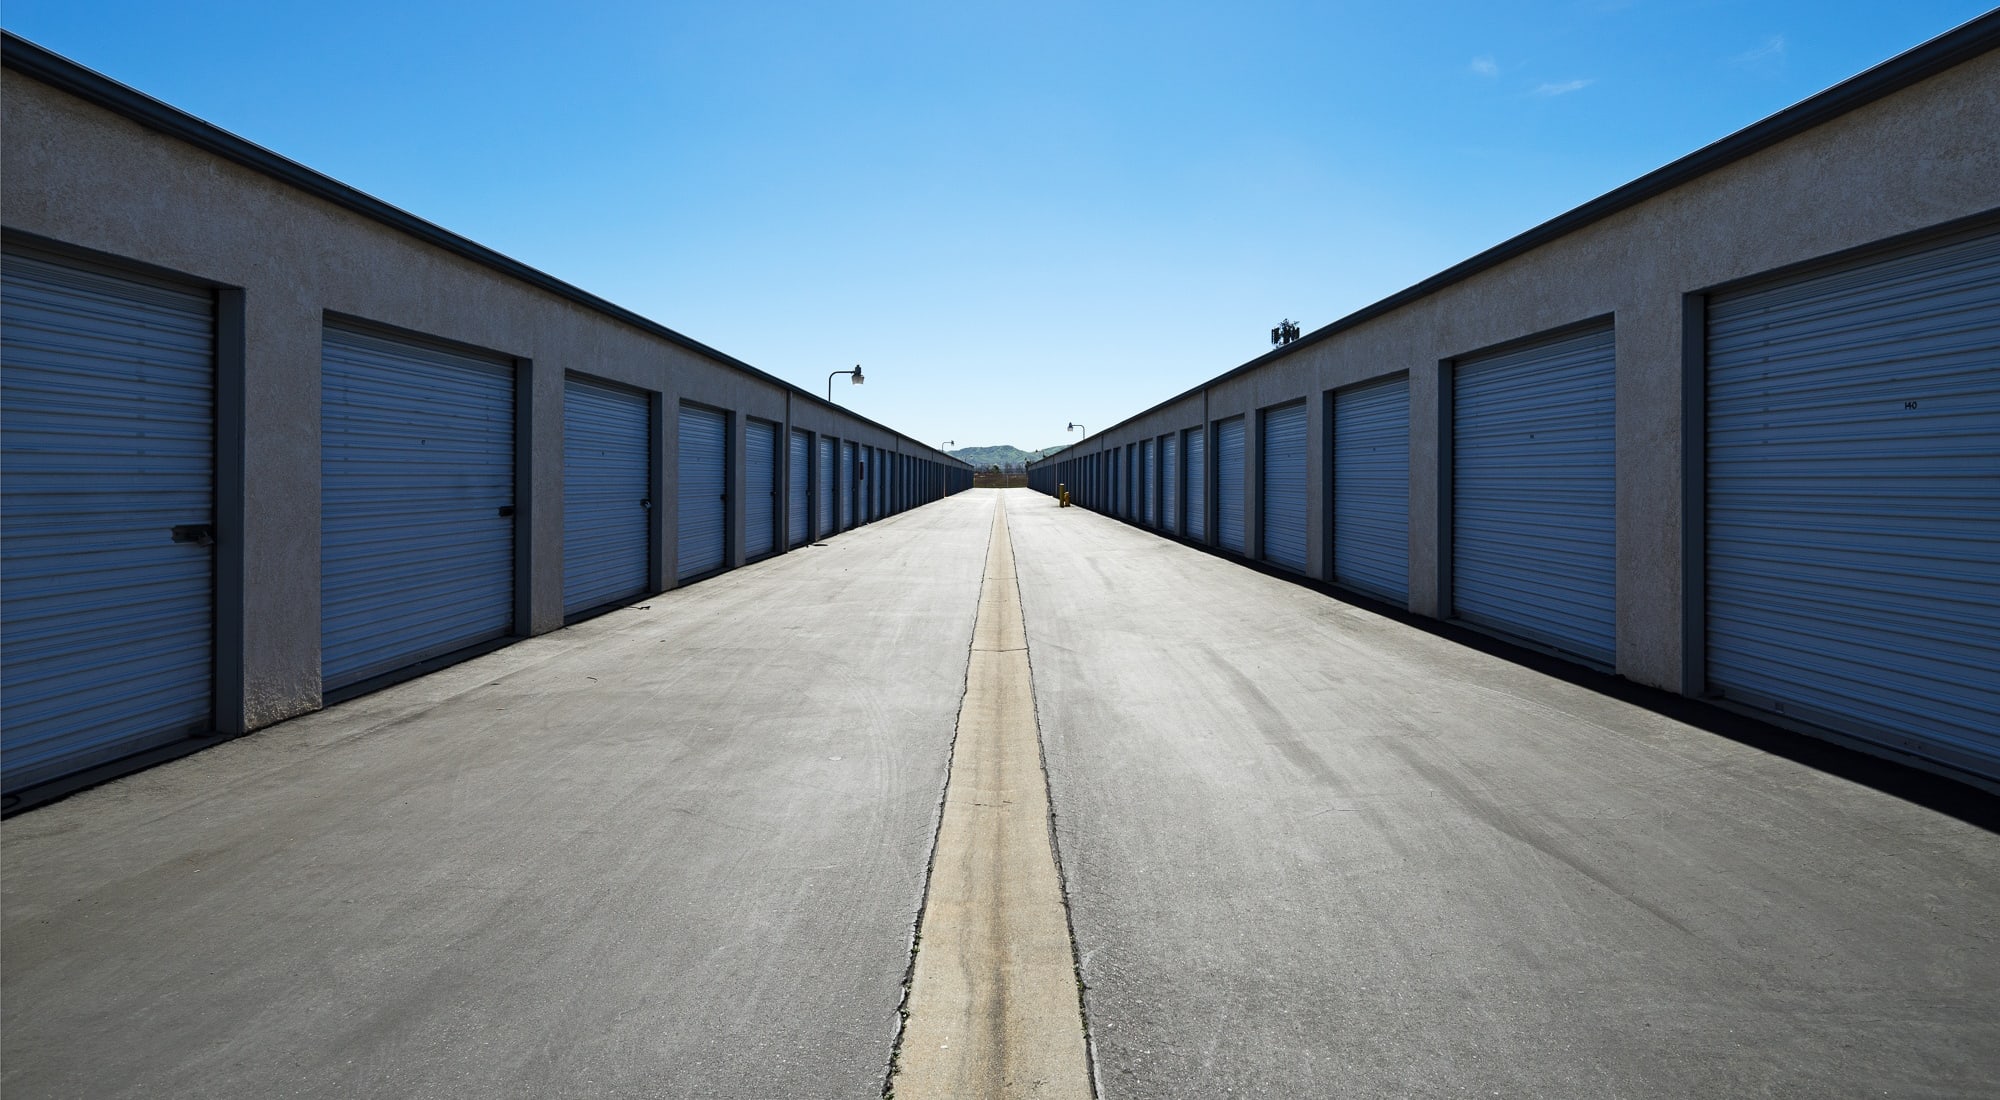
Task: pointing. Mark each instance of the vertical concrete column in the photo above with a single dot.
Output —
(1648, 415)
(1430, 492)
(279, 628)
(538, 491)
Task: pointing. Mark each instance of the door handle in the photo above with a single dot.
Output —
(200, 534)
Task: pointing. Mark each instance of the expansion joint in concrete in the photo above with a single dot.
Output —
(993, 1006)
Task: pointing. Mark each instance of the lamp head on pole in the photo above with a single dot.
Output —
(857, 374)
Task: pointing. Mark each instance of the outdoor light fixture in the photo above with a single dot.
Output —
(1074, 427)
(856, 372)
(950, 443)
(1286, 332)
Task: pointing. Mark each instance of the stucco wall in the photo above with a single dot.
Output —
(85, 180)
(1922, 157)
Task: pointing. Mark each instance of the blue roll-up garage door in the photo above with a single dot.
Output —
(1196, 479)
(829, 488)
(1148, 485)
(607, 482)
(1853, 513)
(1170, 475)
(416, 504)
(1371, 489)
(1229, 484)
(1533, 509)
(878, 483)
(1132, 484)
(1283, 471)
(760, 489)
(798, 497)
(849, 485)
(702, 475)
(107, 443)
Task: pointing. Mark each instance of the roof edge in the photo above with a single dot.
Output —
(48, 67)
(1968, 40)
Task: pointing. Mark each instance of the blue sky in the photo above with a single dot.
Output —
(1012, 215)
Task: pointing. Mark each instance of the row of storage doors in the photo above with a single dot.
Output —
(1848, 569)
(108, 505)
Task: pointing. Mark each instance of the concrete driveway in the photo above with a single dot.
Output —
(1308, 850)
(1313, 851)
(676, 851)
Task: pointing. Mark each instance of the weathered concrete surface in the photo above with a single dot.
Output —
(993, 1003)
(1314, 852)
(673, 852)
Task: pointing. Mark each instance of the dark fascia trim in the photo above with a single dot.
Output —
(1953, 48)
(62, 74)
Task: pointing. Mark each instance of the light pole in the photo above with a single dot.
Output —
(949, 443)
(1074, 427)
(856, 372)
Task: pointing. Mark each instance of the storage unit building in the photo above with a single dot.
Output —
(1726, 430)
(489, 452)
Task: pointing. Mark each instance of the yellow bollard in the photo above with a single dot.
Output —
(1062, 496)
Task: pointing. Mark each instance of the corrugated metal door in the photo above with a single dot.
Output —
(1196, 468)
(416, 504)
(864, 497)
(1371, 489)
(107, 443)
(760, 489)
(703, 490)
(1170, 473)
(1854, 499)
(1533, 536)
(798, 479)
(1132, 486)
(1148, 485)
(1229, 484)
(848, 485)
(1283, 515)
(607, 476)
(828, 488)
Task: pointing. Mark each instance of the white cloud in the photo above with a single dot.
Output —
(1484, 66)
(1564, 88)
(1773, 49)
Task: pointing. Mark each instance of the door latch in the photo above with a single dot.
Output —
(200, 534)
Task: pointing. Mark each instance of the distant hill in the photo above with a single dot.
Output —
(1002, 455)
